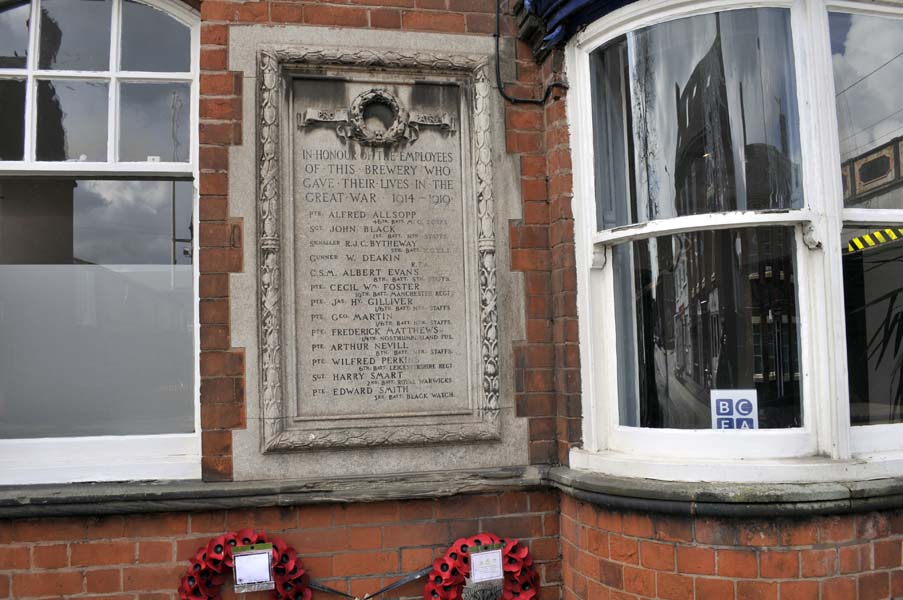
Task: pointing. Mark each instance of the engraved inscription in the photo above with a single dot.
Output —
(381, 256)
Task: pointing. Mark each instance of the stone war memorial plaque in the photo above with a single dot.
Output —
(376, 250)
(379, 251)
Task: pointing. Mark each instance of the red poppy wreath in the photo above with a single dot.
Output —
(446, 580)
(212, 562)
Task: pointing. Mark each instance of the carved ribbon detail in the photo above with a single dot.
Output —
(351, 122)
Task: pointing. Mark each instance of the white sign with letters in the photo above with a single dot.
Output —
(735, 409)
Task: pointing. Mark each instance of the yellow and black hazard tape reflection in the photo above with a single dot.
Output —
(874, 239)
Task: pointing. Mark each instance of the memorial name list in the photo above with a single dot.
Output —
(380, 277)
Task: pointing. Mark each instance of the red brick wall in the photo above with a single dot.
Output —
(547, 377)
(615, 555)
(534, 358)
(356, 548)
(220, 239)
(563, 269)
(542, 247)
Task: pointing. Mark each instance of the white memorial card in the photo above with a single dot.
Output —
(253, 569)
(486, 566)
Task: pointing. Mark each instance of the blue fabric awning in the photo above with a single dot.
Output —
(561, 19)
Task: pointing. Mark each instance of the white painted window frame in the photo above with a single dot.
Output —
(826, 447)
(126, 457)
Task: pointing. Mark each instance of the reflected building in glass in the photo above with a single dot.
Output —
(51, 132)
(717, 307)
(704, 178)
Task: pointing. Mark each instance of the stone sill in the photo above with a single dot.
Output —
(707, 499)
(646, 495)
(82, 499)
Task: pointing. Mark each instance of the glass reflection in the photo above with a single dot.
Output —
(72, 120)
(873, 297)
(142, 29)
(14, 35)
(703, 311)
(75, 35)
(12, 119)
(96, 299)
(154, 122)
(868, 79)
(697, 115)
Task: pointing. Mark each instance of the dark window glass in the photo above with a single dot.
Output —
(14, 35)
(142, 29)
(72, 120)
(868, 79)
(96, 308)
(705, 311)
(873, 297)
(12, 119)
(75, 35)
(154, 122)
(697, 115)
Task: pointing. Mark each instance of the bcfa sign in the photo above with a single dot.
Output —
(735, 409)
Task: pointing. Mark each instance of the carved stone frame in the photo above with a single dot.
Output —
(274, 65)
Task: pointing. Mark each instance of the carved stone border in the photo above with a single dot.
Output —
(277, 433)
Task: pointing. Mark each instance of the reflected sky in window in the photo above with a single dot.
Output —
(96, 221)
(868, 78)
(154, 121)
(14, 35)
(75, 34)
(142, 29)
(130, 222)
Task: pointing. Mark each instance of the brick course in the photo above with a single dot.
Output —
(355, 548)
(625, 555)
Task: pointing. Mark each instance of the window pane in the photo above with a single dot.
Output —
(96, 308)
(154, 122)
(14, 35)
(873, 296)
(142, 29)
(868, 77)
(704, 311)
(72, 120)
(613, 144)
(709, 104)
(12, 119)
(75, 34)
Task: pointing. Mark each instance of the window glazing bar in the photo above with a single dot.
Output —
(727, 220)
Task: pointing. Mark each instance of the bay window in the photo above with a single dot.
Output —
(739, 207)
(98, 343)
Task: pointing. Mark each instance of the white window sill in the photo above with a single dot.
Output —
(813, 469)
(107, 458)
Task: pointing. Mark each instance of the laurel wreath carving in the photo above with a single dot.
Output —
(356, 127)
